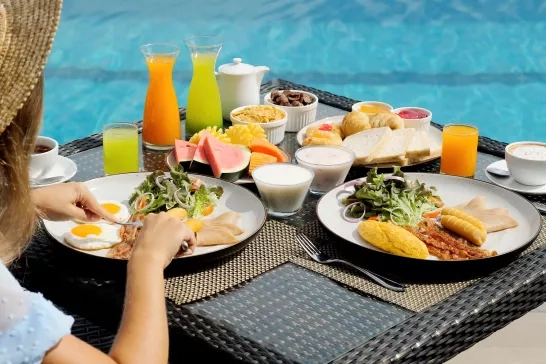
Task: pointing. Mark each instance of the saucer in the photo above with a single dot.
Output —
(63, 167)
(510, 184)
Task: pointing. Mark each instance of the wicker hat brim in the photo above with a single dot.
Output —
(27, 29)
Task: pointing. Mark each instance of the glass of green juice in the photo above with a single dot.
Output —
(120, 147)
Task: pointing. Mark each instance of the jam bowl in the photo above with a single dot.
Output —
(415, 117)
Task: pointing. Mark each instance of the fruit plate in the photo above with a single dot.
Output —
(435, 139)
(252, 213)
(453, 191)
(170, 160)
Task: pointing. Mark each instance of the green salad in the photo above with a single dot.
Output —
(163, 192)
(390, 198)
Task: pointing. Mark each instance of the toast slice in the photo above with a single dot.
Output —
(435, 151)
(419, 146)
(395, 150)
(366, 144)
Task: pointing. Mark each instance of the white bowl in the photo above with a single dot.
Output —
(298, 116)
(274, 130)
(527, 168)
(383, 105)
(422, 124)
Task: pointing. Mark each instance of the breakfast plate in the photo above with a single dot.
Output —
(118, 188)
(434, 138)
(170, 160)
(509, 183)
(499, 204)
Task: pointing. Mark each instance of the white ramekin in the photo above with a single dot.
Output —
(422, 124)
(383, 105)
(298, 116)
(274, 130)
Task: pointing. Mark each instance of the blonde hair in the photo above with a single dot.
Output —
(17, 211)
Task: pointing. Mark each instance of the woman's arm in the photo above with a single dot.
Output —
(143, 333)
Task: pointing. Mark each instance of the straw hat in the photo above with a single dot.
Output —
(27, 28)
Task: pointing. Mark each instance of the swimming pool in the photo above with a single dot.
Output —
(481, 62)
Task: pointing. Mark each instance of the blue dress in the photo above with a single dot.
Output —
(29, 324)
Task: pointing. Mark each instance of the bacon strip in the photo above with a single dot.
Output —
(446, 246)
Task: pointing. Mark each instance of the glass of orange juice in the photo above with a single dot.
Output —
(161, 124)
(120, 147)
(459, 150)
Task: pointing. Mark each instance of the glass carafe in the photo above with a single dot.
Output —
(204, 107)
(161, 124)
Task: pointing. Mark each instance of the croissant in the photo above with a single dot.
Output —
(355, 122)
(389, 119)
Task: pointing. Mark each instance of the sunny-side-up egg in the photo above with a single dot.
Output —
(93, 236)
(117, 209)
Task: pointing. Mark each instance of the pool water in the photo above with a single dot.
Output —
(480, 62)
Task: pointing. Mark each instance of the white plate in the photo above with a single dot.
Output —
(170, 159)
(434, 135)
(120, 187)
(510, 184)
(65, 167)
(453, 191)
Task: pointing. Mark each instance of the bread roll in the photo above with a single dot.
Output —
(389, 119)
(355, 122)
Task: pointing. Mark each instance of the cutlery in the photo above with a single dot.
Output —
(541, 209)
(322, 258)
(45, 181)
(184, 246)
(498, 171)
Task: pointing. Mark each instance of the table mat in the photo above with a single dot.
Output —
(276, 245)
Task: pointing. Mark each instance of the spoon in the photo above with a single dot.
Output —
(45, 181)
(498, 172)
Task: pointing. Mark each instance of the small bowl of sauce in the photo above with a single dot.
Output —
(372, 107)
(415, 117)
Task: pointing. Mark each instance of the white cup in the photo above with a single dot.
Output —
(526, 162)
(44, 156)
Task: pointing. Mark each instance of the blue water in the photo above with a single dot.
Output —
(478, 61)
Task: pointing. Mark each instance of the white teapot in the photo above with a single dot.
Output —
(239, 85)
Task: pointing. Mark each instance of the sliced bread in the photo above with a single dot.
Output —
(367, 143)
(395, 150)
(435, 152)
(419, 146)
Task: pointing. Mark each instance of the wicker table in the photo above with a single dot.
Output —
(290, 314)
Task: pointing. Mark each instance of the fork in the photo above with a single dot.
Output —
(184, 246)
(322, 258)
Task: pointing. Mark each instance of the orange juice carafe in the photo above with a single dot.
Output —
(161, 124)
(204, 107)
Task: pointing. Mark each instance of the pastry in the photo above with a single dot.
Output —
(355, 122)
(326, 127)
(389, 119)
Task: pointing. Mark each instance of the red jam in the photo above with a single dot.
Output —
(325, 127)
(412, 114)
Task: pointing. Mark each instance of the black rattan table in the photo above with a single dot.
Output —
(290, 314)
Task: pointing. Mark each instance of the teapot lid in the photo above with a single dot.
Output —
(236, 68)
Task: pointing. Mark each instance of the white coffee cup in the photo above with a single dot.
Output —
(44, 156)
(526, 162)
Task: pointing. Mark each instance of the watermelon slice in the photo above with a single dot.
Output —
(200, 163)
(184, 152)
(227, 161)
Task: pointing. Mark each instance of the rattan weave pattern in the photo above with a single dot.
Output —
(272, 247)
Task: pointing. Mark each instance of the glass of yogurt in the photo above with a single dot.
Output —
(283, 187)
(330, 164)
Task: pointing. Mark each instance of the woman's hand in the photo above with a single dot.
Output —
(69, 201)
(161, 238)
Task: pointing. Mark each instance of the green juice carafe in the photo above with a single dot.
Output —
(204, 106)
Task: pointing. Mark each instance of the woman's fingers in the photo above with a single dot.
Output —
(90, 203)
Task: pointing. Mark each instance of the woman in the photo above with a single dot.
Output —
(32, 330)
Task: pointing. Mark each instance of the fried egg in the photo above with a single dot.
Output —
(93, 236)
(119, 210)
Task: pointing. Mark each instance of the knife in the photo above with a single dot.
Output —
(540, 208)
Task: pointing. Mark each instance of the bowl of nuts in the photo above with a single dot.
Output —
(300, 107)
